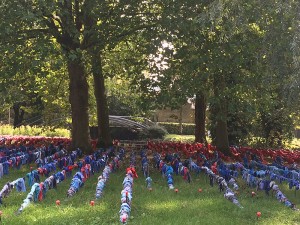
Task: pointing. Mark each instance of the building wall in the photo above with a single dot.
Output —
(187, 112)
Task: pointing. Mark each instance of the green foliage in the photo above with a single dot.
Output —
(41, 89)
(294, 144)
(79, 29)
(276, 128)
(240, 55)
(34, 131)
(124, 133)
(174, 128)
(158, 53)
(153, 132)
(123, 99)
(181, 138)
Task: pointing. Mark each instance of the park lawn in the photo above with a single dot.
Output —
(177, 137)
(294, 144)
(161, 206)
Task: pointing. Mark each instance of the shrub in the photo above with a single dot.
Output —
(123, 133)
(180, 138)
(34, 131)
(174, 128)
(153, 132)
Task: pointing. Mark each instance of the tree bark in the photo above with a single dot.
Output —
(18, 114)
(221, 139)
(200, 117)
(104, 137)
(79, 105)
(222, 142)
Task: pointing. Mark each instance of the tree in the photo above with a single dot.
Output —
(277, 98)
(81, 28)
(220, 50)
(31, 80)
(118, 23)
(200, 61)
(179, 69)
(59, 20)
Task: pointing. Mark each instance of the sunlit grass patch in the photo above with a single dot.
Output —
(159, 206)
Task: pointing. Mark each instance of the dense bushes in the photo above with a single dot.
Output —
(153, 132)
(124, 133)
(34, 131)
(121, 133)
(174, 128)
(127, 133)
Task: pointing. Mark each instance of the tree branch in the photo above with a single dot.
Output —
(135, 29)
(78, 20)
(121, 36)
(57, 19)
(33, 32)
(24, 35)
(51, 24)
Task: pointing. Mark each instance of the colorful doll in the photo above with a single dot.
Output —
(126, 197)
(149, 183)
(170, 181)
(76, 183)
(233, 183)
(124, 212)
(229, 195)
(30, 197)
(100, 187)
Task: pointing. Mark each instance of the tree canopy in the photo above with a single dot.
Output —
(83, 59)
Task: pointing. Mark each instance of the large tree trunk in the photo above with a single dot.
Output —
(18, 114)
(104, 137)
(221, 139)
(79, 105)
(222, 142)
(200, 116)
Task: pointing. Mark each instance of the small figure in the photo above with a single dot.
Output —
(149, 182)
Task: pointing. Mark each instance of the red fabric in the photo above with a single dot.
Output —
(40, 197)
(133, 171)
(185, 173)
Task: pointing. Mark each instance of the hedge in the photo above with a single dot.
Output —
(34, 131)
(174, 128)
(153, 132)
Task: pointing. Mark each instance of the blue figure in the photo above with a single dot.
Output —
(149, 183)
(170, 181)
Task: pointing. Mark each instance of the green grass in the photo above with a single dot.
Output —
(177, 137)
(294, 144)
(161, 206)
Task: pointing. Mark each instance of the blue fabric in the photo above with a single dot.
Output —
(149, 182)
(30, 178)
(59, 177)
(20, 185)
(76, 183)
(5, 167)
(170, 179)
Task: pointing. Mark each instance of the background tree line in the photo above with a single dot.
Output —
(77, 61)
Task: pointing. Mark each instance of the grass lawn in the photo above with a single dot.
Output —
(177, 137)
(161, 206)
(294, 144)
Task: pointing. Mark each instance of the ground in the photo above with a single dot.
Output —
(160, 206)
